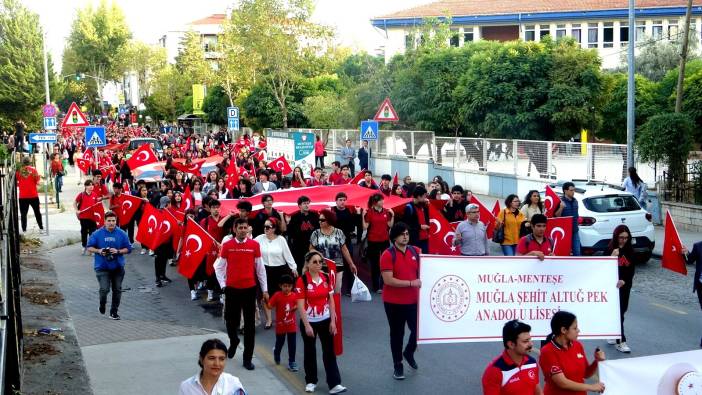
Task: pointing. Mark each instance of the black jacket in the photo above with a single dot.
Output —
(695, 257)
(411, 218)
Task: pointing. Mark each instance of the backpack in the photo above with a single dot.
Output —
(393, 253)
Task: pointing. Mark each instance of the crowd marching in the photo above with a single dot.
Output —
(288, 269)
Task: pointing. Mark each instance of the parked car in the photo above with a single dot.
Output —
(602, 208)
(139, 141)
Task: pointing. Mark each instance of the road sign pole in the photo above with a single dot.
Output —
(46, 189)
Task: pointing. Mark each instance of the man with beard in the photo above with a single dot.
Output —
(300, 228)
(515, 371)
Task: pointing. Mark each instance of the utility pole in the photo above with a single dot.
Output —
(683, 59)
(631, 88)
(46, 161)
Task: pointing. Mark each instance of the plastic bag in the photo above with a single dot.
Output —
(359, 291)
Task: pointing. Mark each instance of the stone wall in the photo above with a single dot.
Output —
(687, 216)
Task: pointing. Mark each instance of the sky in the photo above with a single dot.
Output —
(150, 19)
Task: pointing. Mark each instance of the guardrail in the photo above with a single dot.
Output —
(11, 340)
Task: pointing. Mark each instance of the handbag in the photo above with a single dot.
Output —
(324, 153)
(499, 235)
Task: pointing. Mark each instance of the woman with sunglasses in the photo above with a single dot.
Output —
(620, 246)
(331, 242)
(277, 259)
(315, 305)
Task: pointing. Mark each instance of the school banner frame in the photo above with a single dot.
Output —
(468, 299)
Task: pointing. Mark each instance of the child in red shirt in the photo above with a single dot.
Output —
(285, 304)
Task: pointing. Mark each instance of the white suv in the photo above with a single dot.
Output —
(601, 208)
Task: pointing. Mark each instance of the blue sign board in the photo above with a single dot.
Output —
(95, 136)
(233, 118)
(369, 130)
(39, 138)
(49, 123)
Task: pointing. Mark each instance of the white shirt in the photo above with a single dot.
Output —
(275, 252)
(220, 267)
(226, 385)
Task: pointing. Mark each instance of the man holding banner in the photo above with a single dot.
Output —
(536, 243)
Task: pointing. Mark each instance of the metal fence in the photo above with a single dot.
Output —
(685, 188)
(11, 343)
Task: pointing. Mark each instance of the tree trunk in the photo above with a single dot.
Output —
(683, 59)
(284, 113)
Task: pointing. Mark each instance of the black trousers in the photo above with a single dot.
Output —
(24, 209)
(163, 253)
(280, 340)
(319, 161)
(129, 228)
(375, 249)
(236, 301)
(200, 275)
(624, 293)
(87, 227)
(399, 315)
(331, 368)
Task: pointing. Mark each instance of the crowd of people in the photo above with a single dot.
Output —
(276, 267)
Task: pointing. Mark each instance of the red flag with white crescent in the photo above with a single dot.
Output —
(551, 202)
(280, 165)
(130, 205)
(188, 201)
(232, 175)
(672, 257)
(560, 230)
(83, 165)
(96, 212)
(440, 234)
(486, 216)
(191, 168)
(195, 247)
(338, 338)
(149, 227)
(142, 156)
(358, 178)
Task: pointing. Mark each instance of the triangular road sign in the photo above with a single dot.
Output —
(74, 117)
(95, 140)
(386, 112)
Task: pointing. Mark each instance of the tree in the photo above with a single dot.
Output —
(613, 110)
(96, 43)
(692, 102)
(236, 72)
(657, 57)
(169, 88)
(191, 60)
(21, 64)
(279, 35)
(215, 106)
(261, 110)
(667, 138)
(328, 111)
(144, 60)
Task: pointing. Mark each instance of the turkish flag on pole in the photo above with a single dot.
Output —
(338, 340)
(194, 248)
(188, 201)
(96, 212)
(143, 156)
(496, 209)
(486, 216)
(167, 228)
(440, 234)
(551, 202)
(560, 230)
(148, 227)
(192, 168)
(83, 165)
(281, 165)
(130, 205)
(672, 257)
(232, 175)
(396, 179)
(357, 179)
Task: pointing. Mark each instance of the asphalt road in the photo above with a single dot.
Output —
(663, 317)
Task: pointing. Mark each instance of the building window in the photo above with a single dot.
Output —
(624, 33)
(454, 41)
(529, 33)
(576, 33)
(560, 31)
(409, 41)
(641, 31)
(544, 30)
(608, 35)
(592, 36)
(468, 36)
(673, 30)
(657, 32)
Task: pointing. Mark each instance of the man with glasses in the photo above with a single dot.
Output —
(471, 234)
(348, 153)
(515, 371)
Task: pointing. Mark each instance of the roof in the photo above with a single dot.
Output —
(214, 19)
(513, 10)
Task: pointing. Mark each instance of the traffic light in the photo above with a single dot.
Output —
(79, 76)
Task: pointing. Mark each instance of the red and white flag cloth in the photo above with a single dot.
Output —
(486, 216)
(130, 205)
(358, 178)
(551, 202)
(188, 201)
(232, 176)
(142, 156)
(496, 209)
(96, 212)
(441, 234)
(280, 165)
(168, 228)
(194, 248)
(560, 230)
(191, 168)
(672, 257)
(338, 338)
(83, 165)
(149, 227)
(396, 179)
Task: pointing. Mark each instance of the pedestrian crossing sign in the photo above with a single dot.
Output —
(369, 130)
(95, 136)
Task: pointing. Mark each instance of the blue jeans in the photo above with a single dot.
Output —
(509, 249)
(576, 244)
(110, 279)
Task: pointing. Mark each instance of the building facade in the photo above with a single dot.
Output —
(209, 29)
(597, 24)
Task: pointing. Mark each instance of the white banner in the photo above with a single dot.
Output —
(468, 299)
(665, 374)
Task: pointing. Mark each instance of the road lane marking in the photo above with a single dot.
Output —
(664, 307)
(264, 353)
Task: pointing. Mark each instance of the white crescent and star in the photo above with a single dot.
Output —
(168, 225)
(437, 223)
(124, 206)
(447, 235)
(548, 202)
(554, 231)
(146, 156)
(148, 222)
(197, 239)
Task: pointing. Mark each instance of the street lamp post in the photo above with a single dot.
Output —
(46, 162)
(631, 88)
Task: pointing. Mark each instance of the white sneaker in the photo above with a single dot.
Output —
(310, 387)
(611, 342)
(623, 347)
(221, 299)
(143, 251)
(193, 295)
(337, 389)
(210, 295)
(151, 252)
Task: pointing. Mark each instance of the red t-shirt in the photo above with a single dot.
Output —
(210, 225)
(335, 177)
(504, 377)
(241, 262)
(84, 201)
(297, 184)
(102, 190)
(312, 182)
(423, 233)
(284, 306)
(377, 225)
(28, 184)
(316, 296)
(341, 180)
(528, 244)
(570, 361)
(406, 267)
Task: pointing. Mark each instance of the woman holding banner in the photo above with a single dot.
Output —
(620, 246)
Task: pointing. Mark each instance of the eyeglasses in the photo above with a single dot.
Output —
(322, 220)
(474, 212)
(405, 233)
(268, 227)
(315, 261)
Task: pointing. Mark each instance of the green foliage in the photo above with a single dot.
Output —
(666, 138)
(191, 60)
(658, 57)
(328, 111)
(613, 110)
(215, 106)
(692, 101)
(21, 64)
(144, 60)
(261, 110)
(169, 88)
